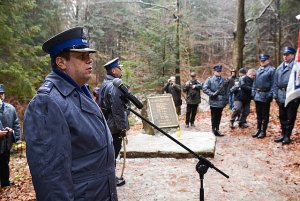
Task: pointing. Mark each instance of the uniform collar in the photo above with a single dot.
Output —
(109, 77)
(84, 89)
(2, 106)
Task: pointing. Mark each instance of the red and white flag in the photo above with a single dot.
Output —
(293, 88)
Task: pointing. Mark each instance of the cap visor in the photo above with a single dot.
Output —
(83, 50)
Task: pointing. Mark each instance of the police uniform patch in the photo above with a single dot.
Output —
(46, 87)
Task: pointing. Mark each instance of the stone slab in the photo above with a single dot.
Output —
(153, 146)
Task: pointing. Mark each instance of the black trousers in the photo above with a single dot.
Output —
(117, 142)
(262, 114)
(216, 114)
(288, 114)
(191, 111)
(4, 168)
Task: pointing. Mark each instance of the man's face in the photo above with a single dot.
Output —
(217, 73)
(2, 96)
(79, 67)
(264, 62)
(251, 75)
(117, 72)
(288, 57)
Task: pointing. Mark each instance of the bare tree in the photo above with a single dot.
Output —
(239, 35)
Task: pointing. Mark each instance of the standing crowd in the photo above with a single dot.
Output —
(72, 140)
(261, 85)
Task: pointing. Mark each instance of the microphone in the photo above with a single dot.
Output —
(119, 84)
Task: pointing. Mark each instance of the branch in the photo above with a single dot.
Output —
(262, 12)
(138, 2)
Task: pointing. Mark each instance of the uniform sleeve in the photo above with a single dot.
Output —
(272, 83)
(118, 109)
(16, 126)
(206, 87)
(48, 149)
(275, 85)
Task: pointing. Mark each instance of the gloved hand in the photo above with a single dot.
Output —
(277, 101)
(123, 133)
(270, 98)
(214, 94)
(234, 89)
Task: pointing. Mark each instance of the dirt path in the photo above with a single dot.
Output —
(259, 170)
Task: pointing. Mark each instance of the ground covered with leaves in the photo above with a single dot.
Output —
(259, 169)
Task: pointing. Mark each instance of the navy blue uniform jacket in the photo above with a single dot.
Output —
(69, 146)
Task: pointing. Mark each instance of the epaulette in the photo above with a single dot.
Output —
(46, 87)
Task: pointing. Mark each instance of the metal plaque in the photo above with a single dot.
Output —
(162, 111)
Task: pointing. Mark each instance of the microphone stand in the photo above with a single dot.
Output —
(202, 165)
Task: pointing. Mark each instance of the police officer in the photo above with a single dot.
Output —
(288, 114)
(175, 90)
(9, 134)
(112, 105)
(68, 143)
(216, 87)
(192, 89)
(262, 94)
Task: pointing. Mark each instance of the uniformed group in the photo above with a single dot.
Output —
(72, 140)
(262, 85)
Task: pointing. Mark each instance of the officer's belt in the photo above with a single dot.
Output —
(263, 89)
(92, 175)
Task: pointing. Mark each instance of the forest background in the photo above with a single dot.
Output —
(153, 38)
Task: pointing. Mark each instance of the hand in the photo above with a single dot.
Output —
(9, 129)
(126, 140)
(277, 101)
(214, 94)
(123, 133)
(270, 99)
(3, 133)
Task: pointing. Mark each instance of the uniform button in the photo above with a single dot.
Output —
(75, 95)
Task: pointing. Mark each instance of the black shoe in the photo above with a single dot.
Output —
(120, 181)
(256, 134)
(279, 139)
(10, 183)
(193, 125)
(217, 133)
(231, 124)
(286, 140)
(243, 125)
(187, 126)
(261, 135)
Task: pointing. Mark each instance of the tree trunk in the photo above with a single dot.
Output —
(177, 70)
(238, 35)
(279, 29)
